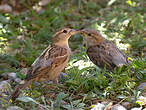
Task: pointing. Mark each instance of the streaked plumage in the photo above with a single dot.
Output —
(102, 52)
(50, 63)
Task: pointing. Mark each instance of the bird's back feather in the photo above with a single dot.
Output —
(106, 54)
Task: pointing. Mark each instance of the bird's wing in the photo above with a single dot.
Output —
(100, 57)
(106, 54)
(50, 58)
(118, 57)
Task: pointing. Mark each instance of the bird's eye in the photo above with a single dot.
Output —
(64, 31)
(89, 34)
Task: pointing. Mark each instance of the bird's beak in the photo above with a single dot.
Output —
(72, 32)
(83, 32)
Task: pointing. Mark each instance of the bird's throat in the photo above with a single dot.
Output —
(62, 43)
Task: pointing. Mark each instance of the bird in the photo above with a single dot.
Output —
(102, 52)
(50, 62)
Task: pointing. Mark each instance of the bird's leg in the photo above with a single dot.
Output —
(58, 84)
(23, 84)
(55, 81)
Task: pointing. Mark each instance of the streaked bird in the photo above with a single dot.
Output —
(102, 52)
(50, 63)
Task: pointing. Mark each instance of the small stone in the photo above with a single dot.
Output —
(5, 8)
(12, 75)
(98, 106)
(14, 108)
(17, 80)
(118, 107)
(44, 2)
(135, 108)
(8, 76)
(127, 105)
(142, 86)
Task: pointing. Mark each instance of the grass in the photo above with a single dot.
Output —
(23, 37)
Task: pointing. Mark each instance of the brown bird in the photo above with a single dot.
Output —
(50, 63)
(102, 52)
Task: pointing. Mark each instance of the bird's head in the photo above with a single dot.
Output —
(91, 36)
(62, 35)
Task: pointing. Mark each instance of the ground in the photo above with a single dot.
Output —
(25, 31)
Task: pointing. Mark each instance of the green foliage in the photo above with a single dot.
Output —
(23, 37)
(7, 63)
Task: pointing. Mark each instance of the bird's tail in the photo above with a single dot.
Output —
(23, 84)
